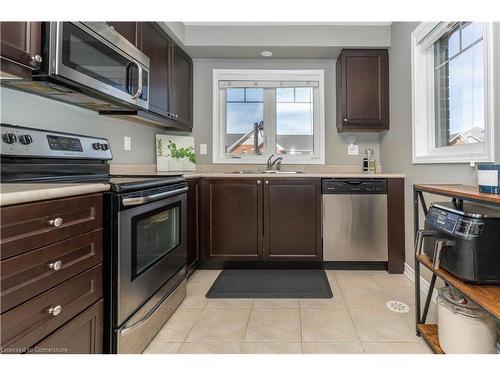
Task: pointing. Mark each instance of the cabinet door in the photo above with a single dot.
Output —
(193, 210)
(292, 219)
(126, 29)
(181, 86)
(363, 90)
(232, 219)
(156, 47)
(21, 46)
(81, 335)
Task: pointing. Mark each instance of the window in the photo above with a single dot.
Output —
(452, 93)
(258, 113)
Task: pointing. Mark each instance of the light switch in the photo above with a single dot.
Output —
(203, 149)
(127, 143)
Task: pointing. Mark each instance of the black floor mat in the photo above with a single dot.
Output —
(271, 284)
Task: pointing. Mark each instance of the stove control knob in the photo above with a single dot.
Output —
(26, 139)
(96, 146)
(9, 138)
(104, 146)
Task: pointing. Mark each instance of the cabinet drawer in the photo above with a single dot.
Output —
(29, 274)
(27, 324)
(81, 335)
(29, 226)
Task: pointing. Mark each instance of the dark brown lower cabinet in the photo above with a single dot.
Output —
(193, 223)
(292, 219)
(232, 219)
(261, 219)
(81, 335)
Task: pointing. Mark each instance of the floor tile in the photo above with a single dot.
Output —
(210, 348)
(353, 277)
(273, 325)
(394, 348)
(195, 296)
(336, 302)
(156, 347)
(381, 325)
(228, 303)
(204, 277)
(178, 326)
(327, 325)
(271, 348)
(278, 303)
(220, 325)
(332, 348)
(363, 296)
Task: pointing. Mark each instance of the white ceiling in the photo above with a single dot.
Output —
(298, 40)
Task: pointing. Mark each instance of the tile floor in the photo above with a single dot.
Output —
(355, 320)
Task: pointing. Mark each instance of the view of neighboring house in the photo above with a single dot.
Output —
(473, 135)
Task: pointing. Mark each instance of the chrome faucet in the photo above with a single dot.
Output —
(276, 162)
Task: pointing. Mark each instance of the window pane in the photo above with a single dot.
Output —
(471, 33)
(294, 121)
(459, 98)
(244, 108)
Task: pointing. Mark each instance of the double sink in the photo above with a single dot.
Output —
(265, 171)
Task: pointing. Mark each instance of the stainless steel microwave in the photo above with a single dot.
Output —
(91, 65)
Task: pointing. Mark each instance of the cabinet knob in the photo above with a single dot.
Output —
(176, 115)
(258, 182)
(345, 120)
(56, 310)
(57, 222)
(37, 58)
(112, 27)
(56, 266)
(266, 182)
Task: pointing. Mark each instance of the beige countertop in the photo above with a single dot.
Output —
(22, 193)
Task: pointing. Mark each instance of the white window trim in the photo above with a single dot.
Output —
(423, 120)
(218, 131)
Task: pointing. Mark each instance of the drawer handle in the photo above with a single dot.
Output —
(57, 222)
(56, 266)
(56, 310)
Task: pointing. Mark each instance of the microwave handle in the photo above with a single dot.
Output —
(139, 82)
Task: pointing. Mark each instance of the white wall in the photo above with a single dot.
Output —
(335, 143)
(396, 144)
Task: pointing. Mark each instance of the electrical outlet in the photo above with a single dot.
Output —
(203, 149)
(352, 149)
(127, 143)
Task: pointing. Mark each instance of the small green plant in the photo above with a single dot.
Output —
(181, 153)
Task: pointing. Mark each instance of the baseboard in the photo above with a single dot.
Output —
(355, 265)
(424, 284)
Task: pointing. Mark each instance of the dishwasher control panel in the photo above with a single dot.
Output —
(354, 186)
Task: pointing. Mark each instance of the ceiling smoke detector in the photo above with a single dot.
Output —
(266, 53)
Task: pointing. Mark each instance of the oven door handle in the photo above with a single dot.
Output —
(151, 198)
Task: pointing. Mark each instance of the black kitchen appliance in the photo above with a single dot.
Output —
(464, 239)
(145, 252)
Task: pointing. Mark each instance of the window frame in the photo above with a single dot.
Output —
(219, 115)
(424, 148)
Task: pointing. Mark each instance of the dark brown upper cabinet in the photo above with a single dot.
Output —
(154, 45)
(363, 90)
(292, 219)
(20, 48)
(127, 30)
(181, 86)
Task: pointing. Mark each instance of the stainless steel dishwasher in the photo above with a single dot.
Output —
(355, 220)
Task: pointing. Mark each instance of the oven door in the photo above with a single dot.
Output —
(151, 249)
(95, 56)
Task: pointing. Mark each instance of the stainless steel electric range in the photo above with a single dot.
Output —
(145, 227)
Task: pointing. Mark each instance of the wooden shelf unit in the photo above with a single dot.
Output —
(487, 296)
